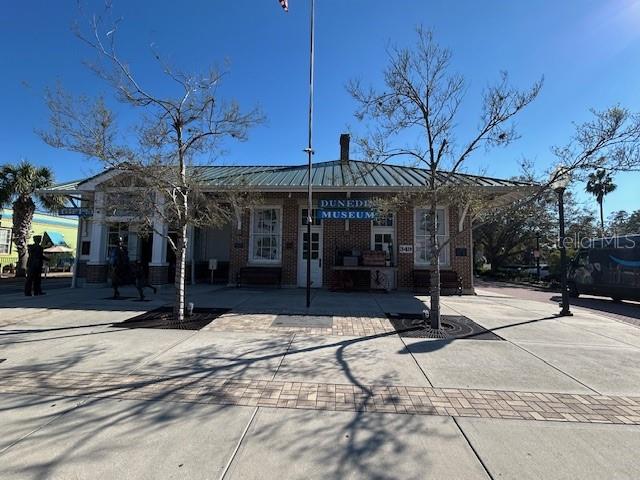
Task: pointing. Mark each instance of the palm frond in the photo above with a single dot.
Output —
(52, 203)
(24, 180)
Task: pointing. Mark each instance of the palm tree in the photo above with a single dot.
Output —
(600, 184)
(19, 186)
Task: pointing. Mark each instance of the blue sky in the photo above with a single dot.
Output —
(588, 52)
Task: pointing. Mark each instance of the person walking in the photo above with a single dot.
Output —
(35, 262)
(120, 268)
(142, 281)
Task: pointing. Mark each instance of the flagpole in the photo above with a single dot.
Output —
(309, 151)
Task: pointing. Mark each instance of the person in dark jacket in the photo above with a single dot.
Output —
(142, 281)
(35, 262)
(120, 268)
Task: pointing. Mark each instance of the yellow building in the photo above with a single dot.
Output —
(53, 229)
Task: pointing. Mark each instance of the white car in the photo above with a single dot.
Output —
(533, 271)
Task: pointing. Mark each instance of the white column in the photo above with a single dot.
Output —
(74, 278)
(98, 251)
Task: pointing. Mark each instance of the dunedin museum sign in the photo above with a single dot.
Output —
(346, 209)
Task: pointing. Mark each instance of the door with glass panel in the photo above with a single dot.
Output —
(316, 250)
(383, 236)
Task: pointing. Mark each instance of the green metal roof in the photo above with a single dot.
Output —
(327, 175)
(340, 174)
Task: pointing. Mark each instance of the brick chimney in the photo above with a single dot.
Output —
(344, 148)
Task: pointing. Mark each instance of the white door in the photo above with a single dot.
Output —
(316, 257)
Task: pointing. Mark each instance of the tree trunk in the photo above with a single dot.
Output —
(183, 211)
(434, 314)
(181, 267)
(23, 209)
(601, 219)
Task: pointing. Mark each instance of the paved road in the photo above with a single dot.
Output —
(626, 311)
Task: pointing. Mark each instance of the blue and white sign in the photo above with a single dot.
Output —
(347, 215)
(76, 211)
(344, 203)
(346, 209)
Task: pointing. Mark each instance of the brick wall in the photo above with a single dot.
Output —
(239, 247)
(159, 275)
(336, 238)
(461, 240)
(290, 229)
(404, 233)
(97, 273)
(81, 269)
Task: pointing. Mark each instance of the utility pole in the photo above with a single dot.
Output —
(309, 150)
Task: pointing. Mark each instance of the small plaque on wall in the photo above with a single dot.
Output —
(461, 252)
(238, 245)
(405, 249)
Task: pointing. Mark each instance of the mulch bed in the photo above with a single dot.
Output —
(455, 327)
(163, 318)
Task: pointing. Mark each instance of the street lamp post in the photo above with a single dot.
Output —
(559, 183)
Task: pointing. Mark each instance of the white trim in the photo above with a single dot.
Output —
(445, 237)
(304, 206)
(251, 260)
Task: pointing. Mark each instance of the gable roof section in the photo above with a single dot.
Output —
(330, 175)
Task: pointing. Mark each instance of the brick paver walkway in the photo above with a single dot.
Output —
(341, 325)
(328, 396)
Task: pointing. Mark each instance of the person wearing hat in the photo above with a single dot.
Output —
(35, 262)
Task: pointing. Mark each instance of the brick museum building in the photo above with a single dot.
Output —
(352, 247)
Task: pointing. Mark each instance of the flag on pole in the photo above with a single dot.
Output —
(284, 4)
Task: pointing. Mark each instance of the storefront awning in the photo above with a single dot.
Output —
(54, 239)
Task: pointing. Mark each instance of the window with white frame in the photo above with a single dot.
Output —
(5, 240)
(266, 235)
(383, 236)
(422, 220)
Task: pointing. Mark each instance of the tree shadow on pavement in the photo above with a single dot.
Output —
(171, 390)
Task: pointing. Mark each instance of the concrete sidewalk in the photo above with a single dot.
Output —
(257, 394)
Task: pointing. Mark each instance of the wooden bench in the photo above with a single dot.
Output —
(450, 282)
(260, 276)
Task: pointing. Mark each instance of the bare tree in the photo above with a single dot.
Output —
(421, 99)
(609, 141)
(159, 179)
